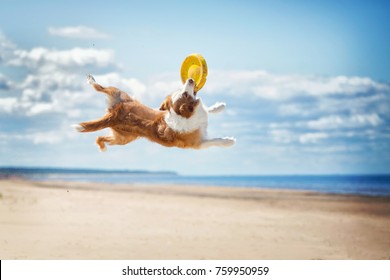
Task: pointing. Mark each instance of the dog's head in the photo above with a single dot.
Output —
(184, 101)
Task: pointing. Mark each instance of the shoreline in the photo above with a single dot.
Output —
(73, 220)
(192, 189)
(370, 185)
(123, 185)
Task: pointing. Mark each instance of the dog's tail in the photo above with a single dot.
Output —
(94, 125)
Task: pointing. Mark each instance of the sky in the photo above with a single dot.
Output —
(307, 83)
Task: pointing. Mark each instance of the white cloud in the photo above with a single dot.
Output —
(285, 136)
(39, 108)
(378, 102)
(79, 32)
(56, 136)
(66, 93)
(331, 122)
(296, 109)
(339, 122)
(49, 137)
(276, 87)
(7, 104)
(302, 111)
(54, 83)
(312, 137)
(49, 60)
(331, 149)
(47, 93)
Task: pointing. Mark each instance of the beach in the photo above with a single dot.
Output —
(70, 220)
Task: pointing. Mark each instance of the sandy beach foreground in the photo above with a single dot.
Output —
(65, 220)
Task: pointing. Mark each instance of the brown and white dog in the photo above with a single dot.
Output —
(180, 122)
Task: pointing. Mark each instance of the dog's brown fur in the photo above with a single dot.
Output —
(130, 119)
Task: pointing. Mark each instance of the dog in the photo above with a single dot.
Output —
(181, 120)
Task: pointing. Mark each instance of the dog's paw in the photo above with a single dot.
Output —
(78, 127)
(102, 149)
(100, 143)
(217, 107)
(90, 79)
(228, 141)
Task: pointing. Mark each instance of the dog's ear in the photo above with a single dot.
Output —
(167, 104)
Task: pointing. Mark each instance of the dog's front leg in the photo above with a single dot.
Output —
(219, 142)
(216, 108)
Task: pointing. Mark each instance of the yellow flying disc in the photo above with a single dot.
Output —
(195, 67)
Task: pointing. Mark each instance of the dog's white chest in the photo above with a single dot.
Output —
(180, 124)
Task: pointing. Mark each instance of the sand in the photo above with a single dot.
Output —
(62, 220)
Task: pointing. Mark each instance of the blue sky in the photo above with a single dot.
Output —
(306, 82)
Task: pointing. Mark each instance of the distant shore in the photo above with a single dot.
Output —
(71, 220)
(22, 171)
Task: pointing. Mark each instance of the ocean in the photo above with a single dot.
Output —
(370, 185)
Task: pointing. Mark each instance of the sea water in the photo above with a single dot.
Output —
(371, 185)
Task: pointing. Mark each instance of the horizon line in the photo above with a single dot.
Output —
(108, 170)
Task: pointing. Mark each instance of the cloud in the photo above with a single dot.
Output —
(339, 122)
(55, 80)
(78, 32)
(312, 137)
(279, 112)
(343, 128)
(376, 101)
(56, 83)
(285, 136)
(276, 87)
(51, 136)
(49, 60)
(304, 110)
(55, 136)
(8, 104)
(41, 93)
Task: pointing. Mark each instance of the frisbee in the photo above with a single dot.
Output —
(194, 66)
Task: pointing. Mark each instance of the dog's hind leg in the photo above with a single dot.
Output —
(114, 139)
(100, 141)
